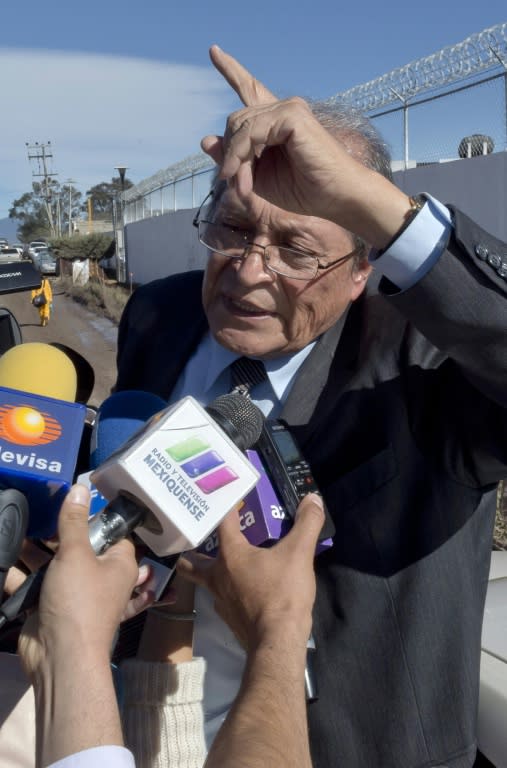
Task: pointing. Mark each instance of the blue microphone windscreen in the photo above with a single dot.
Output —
(118, 418)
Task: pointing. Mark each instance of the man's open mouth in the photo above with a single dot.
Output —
(245, 309)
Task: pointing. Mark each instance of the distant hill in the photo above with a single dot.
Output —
(8, 229)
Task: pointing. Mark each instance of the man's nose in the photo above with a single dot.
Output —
(252, 264)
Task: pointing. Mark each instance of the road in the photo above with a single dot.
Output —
(71, 324)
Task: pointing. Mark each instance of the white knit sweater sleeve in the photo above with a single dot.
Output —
(162, 713)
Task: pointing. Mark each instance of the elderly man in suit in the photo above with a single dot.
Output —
(381, 321)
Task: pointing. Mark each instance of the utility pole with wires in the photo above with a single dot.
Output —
(40, 156)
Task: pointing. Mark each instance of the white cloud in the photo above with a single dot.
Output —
(100, 111)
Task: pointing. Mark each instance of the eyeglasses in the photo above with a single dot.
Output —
(237, 243)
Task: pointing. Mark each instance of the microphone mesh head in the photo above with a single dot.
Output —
(240, 419)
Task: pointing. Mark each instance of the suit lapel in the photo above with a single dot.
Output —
(328, 367)
(175, 364)
(183, 310)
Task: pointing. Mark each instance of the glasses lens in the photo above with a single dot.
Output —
(233, 242)
(222, 239)
(290, 263)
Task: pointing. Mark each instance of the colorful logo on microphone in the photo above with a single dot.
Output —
(203, 463)
(25, 425)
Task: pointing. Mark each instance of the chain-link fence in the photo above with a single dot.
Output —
(181, 186)
(450, 105)
(465, 121)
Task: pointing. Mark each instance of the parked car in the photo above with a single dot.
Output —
(29, 249)
(35, 250)
(46, 262)
(9, 254)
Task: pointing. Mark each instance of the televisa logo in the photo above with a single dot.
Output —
(39, 444)
(26, 425)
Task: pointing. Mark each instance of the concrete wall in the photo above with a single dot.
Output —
(477, 186)
(168, 243)
(163, 245)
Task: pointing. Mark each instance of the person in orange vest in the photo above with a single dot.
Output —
(42, 298)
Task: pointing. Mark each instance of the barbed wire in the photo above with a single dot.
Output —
(187, 167)
(486, 50)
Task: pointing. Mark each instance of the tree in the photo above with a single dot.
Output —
(45, 212)
(103, 194)
(30, 211)
(70, 199)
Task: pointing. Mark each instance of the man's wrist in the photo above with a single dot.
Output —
(78, 662)
(77, 691)
(417, 247)
(288, 638)
(69, 647)
(416, 204)
(166, 639)
(168, 631)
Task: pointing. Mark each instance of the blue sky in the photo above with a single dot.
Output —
(130, 82)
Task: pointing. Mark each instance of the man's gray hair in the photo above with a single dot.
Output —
(357, 133)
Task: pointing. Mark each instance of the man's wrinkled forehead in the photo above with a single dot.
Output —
(248, 207)
(251, 210)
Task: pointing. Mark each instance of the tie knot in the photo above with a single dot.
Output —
(246, 373)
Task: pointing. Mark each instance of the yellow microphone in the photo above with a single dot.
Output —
(40, 369)
(40, 430)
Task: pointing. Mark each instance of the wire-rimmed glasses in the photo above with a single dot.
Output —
(236, 243)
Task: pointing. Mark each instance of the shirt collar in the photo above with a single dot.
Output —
(280, 371)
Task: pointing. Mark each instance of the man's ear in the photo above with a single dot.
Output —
(359, 277)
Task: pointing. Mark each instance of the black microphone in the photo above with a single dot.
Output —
(13, 524)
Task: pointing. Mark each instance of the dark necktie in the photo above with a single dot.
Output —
(245, 374)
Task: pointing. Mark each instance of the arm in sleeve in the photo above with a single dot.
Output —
(416, 250)
(460, 307)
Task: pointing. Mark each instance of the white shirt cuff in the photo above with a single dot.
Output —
(418, 247)
(98, 757)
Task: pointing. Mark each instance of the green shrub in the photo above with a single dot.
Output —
(94, 246)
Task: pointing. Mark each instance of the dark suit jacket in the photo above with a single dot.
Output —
(400, 410)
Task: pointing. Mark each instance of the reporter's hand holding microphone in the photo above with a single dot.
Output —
(65, 646)
(265, 595)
